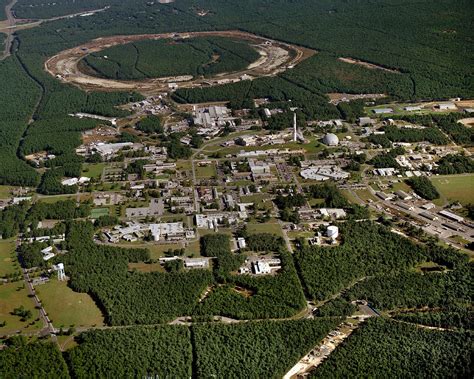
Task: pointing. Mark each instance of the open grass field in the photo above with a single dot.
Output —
(350, 197)
(14, 295)
(97, 212)
(455, 188)
(8, 261)
(269, 227)
(184, 165)
(401, 186)
(261, 201)
(146, 267)
(66, 307)
(56, 198)
(93, 170)
(206, 171)
(365, 195)
(158, 250)
(5, 191)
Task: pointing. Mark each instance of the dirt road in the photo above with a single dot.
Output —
(275, 57)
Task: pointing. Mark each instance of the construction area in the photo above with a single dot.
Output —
(275, 57)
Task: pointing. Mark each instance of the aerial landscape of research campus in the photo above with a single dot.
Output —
(236, 189)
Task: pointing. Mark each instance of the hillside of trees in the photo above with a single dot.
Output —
(128, 297)
(423, 187)
(385, 348)
(448, 123)
(250, 297)
(263, 349)
(455, 164)
(163, 351)
(31, 360)
(151, 59)
(366, 249)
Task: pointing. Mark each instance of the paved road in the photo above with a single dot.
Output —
(11, 23)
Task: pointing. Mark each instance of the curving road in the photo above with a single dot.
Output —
(275, 57)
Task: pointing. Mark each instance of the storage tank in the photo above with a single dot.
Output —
(332, 231)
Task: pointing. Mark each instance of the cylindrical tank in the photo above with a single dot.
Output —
(332, 231)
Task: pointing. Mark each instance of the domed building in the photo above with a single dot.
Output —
(331, 140)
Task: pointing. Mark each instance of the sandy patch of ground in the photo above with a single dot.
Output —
(368, 65)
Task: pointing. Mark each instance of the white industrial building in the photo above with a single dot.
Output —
(212, 220)
(261, 268)
(75, 181)
(259, 167)
(412, 108)
(451, 216)
(382, 110)
(47, 253)
(336, 213)
(446, 106)
(322, 173)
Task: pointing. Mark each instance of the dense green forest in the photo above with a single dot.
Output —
(428, 60)
(15, 110)
(423, 187)
(31, 360)
(163, 351)
(448, 123)
(415, 290)
(430, 134)
(455, 164)
(367, 249)
(245, 296)
(386, 349)
(450, 317)
(3, 16)
(250, 297)
(157, 58)
(263, 349)
(128, 297)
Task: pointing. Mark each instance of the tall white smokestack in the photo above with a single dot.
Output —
(295, 132)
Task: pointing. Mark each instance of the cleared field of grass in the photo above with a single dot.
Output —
(55, 199)
(294, 235)
(66, 307)
(401, 186)
(365, 195)
(14, 295)
(5, 191)
(315, 202)
(261, 201)
(97, 212)
(146, 267)
(93, 170)
(455, 188)
(349, 196)
(271, 227)
(8, 261)
(206, 171)
(184, 165)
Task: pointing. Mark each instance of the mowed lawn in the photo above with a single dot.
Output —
(66, 307)
(97, 212)
(5, 191)
(14, 295)
(8, 262)
(208, 171)
(270, 227)
(455, 188)
(93, 170)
